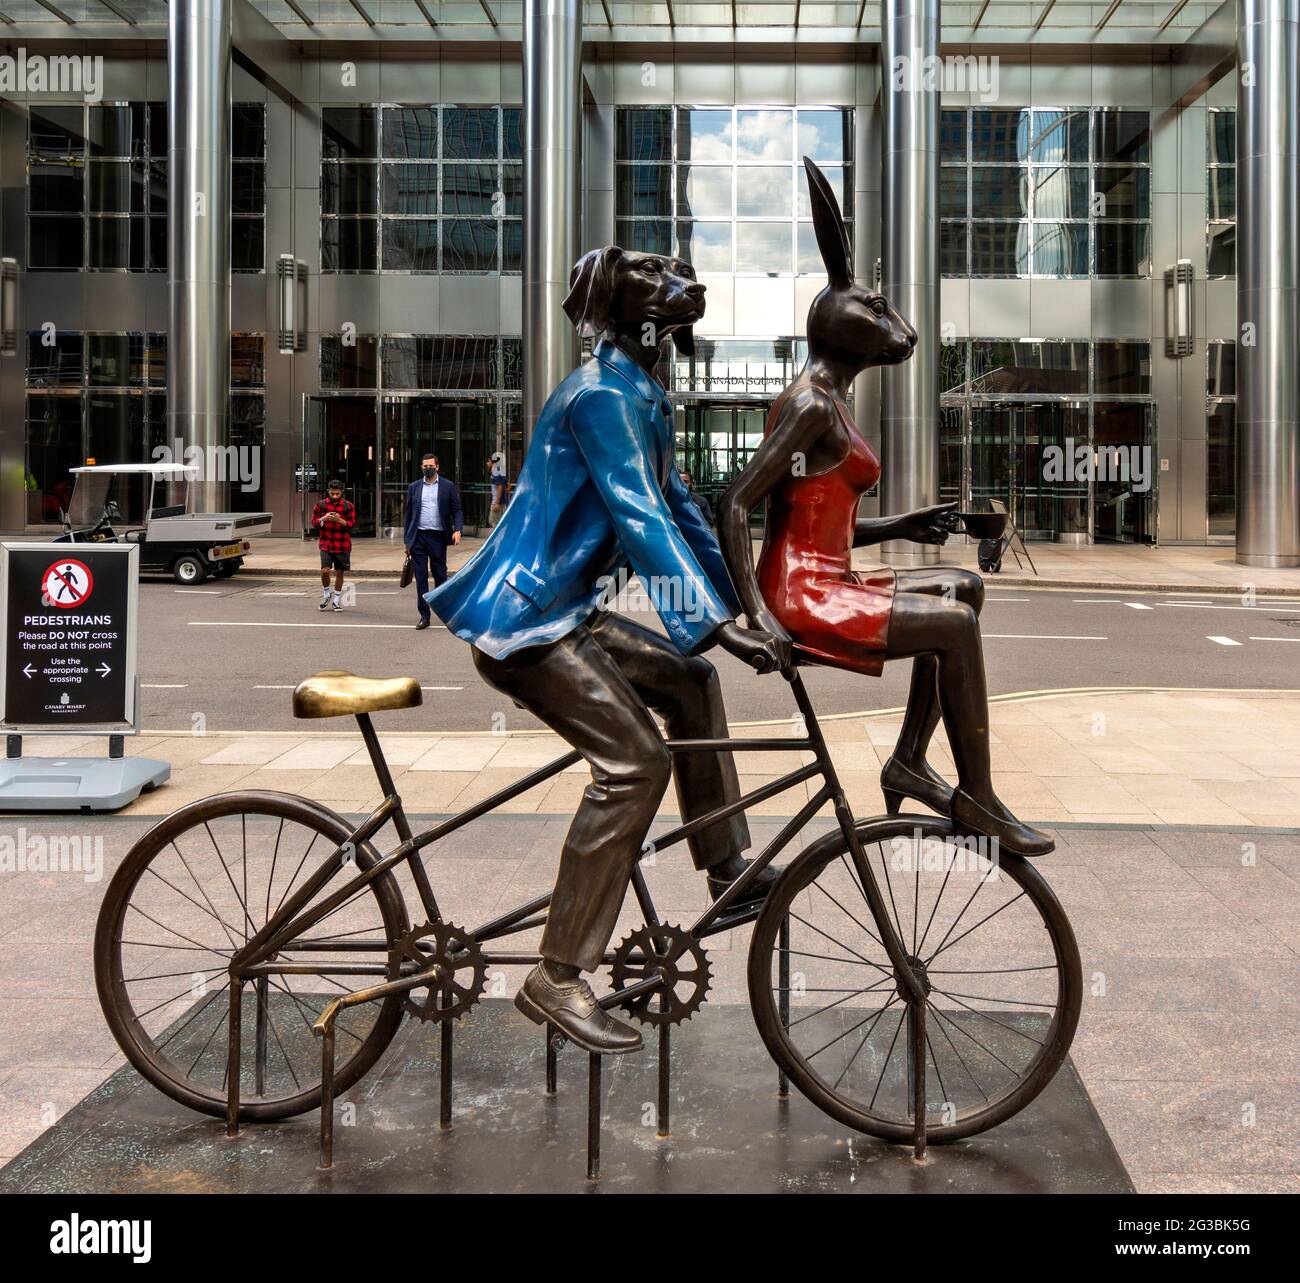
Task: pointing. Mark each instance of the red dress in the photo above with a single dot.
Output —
(835, 615)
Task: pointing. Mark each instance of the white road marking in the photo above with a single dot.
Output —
(206, 592)
(1290, 639)
(1197, 605)
(164, 686)
(1044, 637)
(1137, 605)
(274, 688)
(1098, 601)
(1008, 599)
(266, 623)
(1223, 641)
(442, 688)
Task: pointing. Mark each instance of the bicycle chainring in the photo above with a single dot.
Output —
(462, 970)
(679, 958)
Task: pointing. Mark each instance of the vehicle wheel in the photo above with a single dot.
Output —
(189, 569)
(996, 948)
(225, 569)
(189, 892)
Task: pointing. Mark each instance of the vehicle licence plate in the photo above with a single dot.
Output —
(231, 550)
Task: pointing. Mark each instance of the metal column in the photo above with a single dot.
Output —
(198, 247)
(552, 192)
(909, 414)
(1268, 282)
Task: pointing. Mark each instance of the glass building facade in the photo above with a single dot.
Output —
(396, 178)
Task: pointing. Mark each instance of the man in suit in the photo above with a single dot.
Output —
(431, 519)
(598, 494)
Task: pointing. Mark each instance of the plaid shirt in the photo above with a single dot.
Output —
(333, 537)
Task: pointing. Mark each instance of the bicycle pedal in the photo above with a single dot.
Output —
(558, 1042)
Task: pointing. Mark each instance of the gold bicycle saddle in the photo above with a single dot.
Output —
(335, 693)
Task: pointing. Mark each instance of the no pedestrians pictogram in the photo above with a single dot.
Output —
(67, 583)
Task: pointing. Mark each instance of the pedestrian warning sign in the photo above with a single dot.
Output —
(67, 654)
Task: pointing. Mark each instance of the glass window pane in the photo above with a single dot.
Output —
(1122, 368)
(649, 236)
(705, 246)
(809, 256)
(643, 189)
(704, 190)
(763, 247)
(53, 446)
(158, 243)
(109, 360)
(512, 185)
(1221, 251)
(1222, 193)
(704, 136)
(999, 249)
(643, 133)
(512, 147)
(1061, 192)
(247, 360)
(953, 239)
(348, 189)
(248, 130)
(411, 245)
(999, 134)
(952, 135)
(410, 189)
(1124, 192)
(836, 176)
(349, 244)
(826, 136)
(1121, 135)
(469, 245)
(1061, 249)
(56, 243)
(470, 133)
(952, 366)
(157, 130)
(156, 182)
(1221, 378)
(54, 366)
(351, 365)
(110, 188)
(1221, 469)
(115, 424)
(55, 189)
(248, 187)
(115, 244)
(1060, 136)
(116, 131)
(999, 192)
(952, 193)
(765, 135)
(410, 133)
(512, 245)
(764, 191)
(1123, 249)
(348, 133)
(1223, 137)
(401, 362)
(469, 189)
(56, 131)
(247, 243)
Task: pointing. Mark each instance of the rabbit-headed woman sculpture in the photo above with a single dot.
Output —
(813, 467)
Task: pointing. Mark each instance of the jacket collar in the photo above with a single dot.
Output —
(611, 355)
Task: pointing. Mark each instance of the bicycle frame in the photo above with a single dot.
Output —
(284, 931)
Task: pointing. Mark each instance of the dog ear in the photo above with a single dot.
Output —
(591, 289)
(684, 340)
(828, 223)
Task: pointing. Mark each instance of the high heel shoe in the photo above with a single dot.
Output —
(1000, 825)
(898, 781)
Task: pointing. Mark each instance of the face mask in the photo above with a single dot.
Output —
(431, 473)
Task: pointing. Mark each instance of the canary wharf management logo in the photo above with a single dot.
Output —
(63, 74)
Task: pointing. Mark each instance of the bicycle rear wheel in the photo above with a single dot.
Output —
(997, 952)
(193, 890)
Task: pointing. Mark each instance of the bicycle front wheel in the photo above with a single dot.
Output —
(190, 893)
(992, 942)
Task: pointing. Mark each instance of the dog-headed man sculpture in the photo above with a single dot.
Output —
(599, 494)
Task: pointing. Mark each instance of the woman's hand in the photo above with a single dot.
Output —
(766, 651)
(930, 525)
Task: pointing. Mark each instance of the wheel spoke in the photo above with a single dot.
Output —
(199, 886)
(840, 943)
(889, 1055)
(942, 947)
(860, 925)
(839, 1001)
(849, 1065)
(955, 1052)
(984, 1015)
(248, 921)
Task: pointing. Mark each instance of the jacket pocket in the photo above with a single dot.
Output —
(527, 584)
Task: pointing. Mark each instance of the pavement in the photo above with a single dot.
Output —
(1170, 567)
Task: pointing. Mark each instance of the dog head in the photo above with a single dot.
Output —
(652, 295)
(849, 321)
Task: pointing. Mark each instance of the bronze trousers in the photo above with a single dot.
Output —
(596, 687)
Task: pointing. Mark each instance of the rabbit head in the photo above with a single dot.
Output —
(848, 322)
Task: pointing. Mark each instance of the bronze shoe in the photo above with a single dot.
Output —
(572, 1008)
(1001, 825)
(898, 781)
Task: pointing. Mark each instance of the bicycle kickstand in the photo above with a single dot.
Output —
(916, 1063)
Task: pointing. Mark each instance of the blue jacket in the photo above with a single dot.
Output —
(598, 492)
(449, 509)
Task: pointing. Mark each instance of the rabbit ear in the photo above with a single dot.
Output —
(828, 223)
(591, 287)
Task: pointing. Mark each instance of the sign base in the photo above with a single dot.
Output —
(77, 783)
